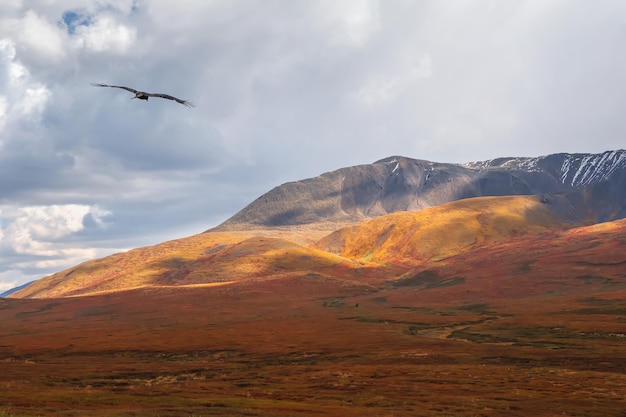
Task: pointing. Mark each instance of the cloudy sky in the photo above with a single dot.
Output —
(284, 90)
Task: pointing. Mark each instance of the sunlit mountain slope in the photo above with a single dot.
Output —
(371, 251)
(449, 229)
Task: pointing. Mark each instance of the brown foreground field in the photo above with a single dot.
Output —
(527, 325)
(312, 346)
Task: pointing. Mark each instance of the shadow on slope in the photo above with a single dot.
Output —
(205, 259)
(256, 257)
(577, 261)
(403, 184)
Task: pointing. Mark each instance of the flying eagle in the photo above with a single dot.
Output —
(142, 95)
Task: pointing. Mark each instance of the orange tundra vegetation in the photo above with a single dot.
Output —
(483, 307)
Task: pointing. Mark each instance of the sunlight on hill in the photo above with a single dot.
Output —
(135, 268)
(205, 258)
(441, 231)
(398, 240)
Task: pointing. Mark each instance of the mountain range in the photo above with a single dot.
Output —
(390, 216)
(596, 184)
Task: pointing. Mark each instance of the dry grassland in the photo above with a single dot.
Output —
(528, 322)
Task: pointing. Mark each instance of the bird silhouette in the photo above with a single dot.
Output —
(142, 95)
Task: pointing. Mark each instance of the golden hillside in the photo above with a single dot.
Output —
(443, 231)
(212, 258)
(364, 251)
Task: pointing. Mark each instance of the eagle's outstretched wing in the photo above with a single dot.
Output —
(132, 90)
(167, 96)
(144, 96)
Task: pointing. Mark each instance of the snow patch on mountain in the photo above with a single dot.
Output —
(575, 170)
(522, 163)
(580, 170)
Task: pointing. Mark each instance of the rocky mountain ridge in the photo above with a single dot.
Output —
(398, 183)
(574, 170)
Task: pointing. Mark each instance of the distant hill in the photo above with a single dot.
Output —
(403, 184)
(12, 290)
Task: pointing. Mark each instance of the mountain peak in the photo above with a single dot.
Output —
(399, 183)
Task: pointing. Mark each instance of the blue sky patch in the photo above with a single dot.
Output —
(72, 19)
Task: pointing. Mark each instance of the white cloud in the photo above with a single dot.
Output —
(383, 89)
(4, 105)
(186, 15)
(11, 278)
(38, 240)
(21, 97)
(40, 40)
(8, 6)
(33, 101)
(350, 22)
(105, 34)
(36, 230)
(6, 285)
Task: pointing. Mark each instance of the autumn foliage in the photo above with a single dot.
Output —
(483, 307)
